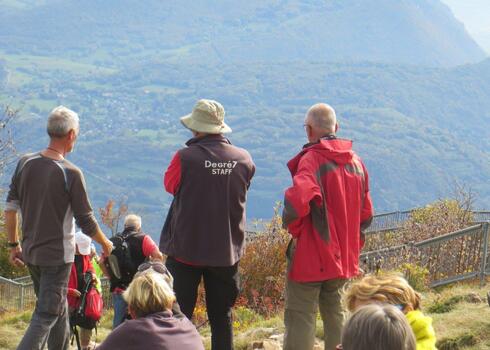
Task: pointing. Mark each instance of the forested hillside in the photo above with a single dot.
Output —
(131, 71)
(419, 130)
(110, 31)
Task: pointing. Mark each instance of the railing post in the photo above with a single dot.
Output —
(21, 297)
(485, 228)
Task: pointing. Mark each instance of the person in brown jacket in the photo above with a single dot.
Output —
(204, 232)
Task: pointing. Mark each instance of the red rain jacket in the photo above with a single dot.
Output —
(73, 279)
(325, 210)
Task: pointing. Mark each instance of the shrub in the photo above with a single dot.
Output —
(436, 219)
(6, 269)
(422, 265)
(417, 276)
(457, 343)
(444, 306)
(263, 267)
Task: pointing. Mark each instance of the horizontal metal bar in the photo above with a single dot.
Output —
(454, 279)
(9, 281)
(449, 236)
(385, 250)
(382, 230)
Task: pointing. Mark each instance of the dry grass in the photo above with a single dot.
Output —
(13, 326)
(465, 322)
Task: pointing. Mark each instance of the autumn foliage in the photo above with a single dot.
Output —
(263, 269)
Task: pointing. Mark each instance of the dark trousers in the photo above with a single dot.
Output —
(221, 285)
(49, 323)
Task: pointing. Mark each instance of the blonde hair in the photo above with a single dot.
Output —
(380, 327)
(149, 293)
(384, 288)
(132, 220)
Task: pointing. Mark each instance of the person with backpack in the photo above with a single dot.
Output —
(82, 270)
(131, 248)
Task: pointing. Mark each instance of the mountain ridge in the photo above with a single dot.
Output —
(421, 32)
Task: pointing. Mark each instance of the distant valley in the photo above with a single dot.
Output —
(421, 126)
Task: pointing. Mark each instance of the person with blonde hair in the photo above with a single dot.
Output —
(393, 289)
(377, 327)
(153, 326)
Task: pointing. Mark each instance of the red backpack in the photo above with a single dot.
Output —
(89, 310)
(93, 304)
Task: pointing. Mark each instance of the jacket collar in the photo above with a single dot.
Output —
(326, 137)
(208, 139)
(327, 144)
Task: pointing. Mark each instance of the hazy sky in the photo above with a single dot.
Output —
(475, 14)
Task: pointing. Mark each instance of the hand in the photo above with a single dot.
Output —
(74, 293)
(107, 248)
(15, 257)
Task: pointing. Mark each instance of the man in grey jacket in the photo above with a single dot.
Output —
(49, 191)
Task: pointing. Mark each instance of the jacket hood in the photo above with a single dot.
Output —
(338, 150)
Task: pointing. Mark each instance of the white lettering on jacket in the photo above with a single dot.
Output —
(220, 168)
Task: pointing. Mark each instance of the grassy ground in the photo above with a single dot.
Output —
(462, 325)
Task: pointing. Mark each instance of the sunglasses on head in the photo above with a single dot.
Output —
(158, 267)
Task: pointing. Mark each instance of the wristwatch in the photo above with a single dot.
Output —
(13, 244)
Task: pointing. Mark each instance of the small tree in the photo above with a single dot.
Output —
(111, 216)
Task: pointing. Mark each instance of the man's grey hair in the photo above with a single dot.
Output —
(61, 120)
(323, 117)
(132, 221)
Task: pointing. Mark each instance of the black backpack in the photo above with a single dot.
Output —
(120, 263)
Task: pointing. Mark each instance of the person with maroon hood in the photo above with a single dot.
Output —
(325, 211)
(204, 232)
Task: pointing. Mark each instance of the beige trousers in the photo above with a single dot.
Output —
(302, 303)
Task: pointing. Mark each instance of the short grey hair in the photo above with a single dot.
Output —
(323, 116)
(61, 120)
(382, 327)
(133, 221)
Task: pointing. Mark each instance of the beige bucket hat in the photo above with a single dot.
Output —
(208, 116)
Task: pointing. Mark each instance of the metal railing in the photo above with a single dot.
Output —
(18, 294)
(480, 216)
(394, 220)
(449, 258)
(389, 221)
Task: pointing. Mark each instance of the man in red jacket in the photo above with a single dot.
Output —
(325, 211)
